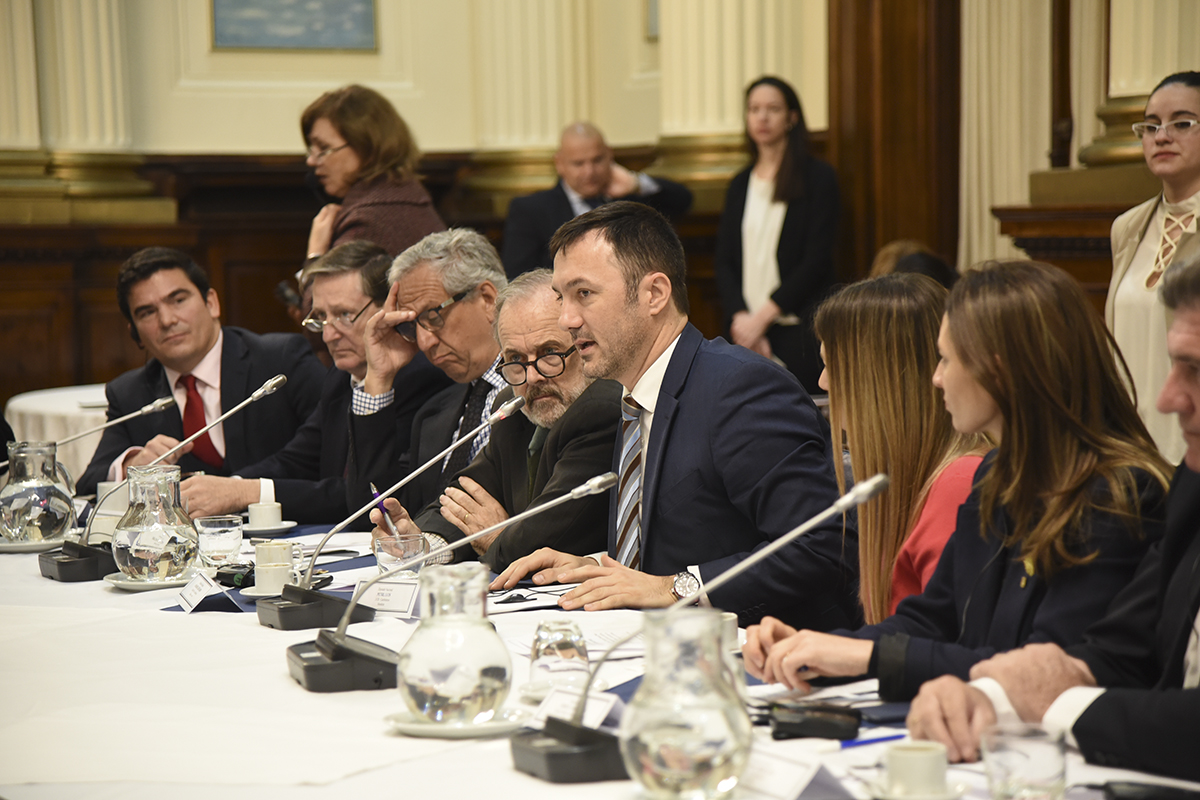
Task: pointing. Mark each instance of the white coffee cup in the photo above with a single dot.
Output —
(271, 578)
(279, 552)
(266, 515)
(916, 769)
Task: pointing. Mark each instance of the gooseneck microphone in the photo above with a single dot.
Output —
(80, 561)
(161, 404)
(336, 662)
(300, 606)
(556, 752)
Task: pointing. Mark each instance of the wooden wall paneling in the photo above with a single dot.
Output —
(35, 330)
(894, 110)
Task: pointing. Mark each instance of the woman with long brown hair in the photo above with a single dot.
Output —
(1061, 512)
(879, 343)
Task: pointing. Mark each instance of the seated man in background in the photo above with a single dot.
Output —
(174, 315)
(1145, 653)
(307, 477)
(563, 436)
(588, 177)
(721, 452)
(442, 304)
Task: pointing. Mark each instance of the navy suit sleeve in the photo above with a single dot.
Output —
(1148, 730)
(114, 440)
(305, 374)
(772, 453)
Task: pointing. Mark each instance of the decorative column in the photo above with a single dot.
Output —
(710, 50)
(27, 193)
(532, 77)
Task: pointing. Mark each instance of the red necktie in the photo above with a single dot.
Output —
(193, 420)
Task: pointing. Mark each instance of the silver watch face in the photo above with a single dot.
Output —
(686, 584)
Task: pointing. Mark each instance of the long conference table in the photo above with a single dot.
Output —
(109, 694)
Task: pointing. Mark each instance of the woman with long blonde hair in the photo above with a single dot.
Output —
(1061, 513)
(879, 343)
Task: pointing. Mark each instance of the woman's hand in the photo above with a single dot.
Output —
(760, 639)
(807, 654)
(747, 329)
(320, 235)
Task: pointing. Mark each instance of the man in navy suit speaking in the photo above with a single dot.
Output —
(721, 451)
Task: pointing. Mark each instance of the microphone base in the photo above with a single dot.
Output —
(77, 563)
(342, 664)
(297, 609)
(564, 752)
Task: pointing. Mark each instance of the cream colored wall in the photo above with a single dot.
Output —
(1148, 40)
(185, 98)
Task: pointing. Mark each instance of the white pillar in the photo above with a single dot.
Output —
(20, 127)
(1149, 40)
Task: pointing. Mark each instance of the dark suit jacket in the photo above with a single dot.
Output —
(310, 472)
(739, 456)
(378, 455)
(1146, 720)
(393, 216)
(257, 431)
(579, 446)
(532, 221)
(980, 600)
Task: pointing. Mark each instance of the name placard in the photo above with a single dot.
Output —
(397, 597)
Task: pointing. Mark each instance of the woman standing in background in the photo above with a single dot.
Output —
(774, 258)
(1149, 238)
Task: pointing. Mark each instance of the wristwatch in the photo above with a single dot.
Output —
(685, 585)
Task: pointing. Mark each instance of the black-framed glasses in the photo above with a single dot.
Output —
(343, 320)
(551, 365)
(1175, 127)
(430, 319)
(321, 155)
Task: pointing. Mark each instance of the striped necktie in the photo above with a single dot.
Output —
(629, 502)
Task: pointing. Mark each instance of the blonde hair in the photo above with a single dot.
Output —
(890, 253)
(880, 339)
(1028, 334)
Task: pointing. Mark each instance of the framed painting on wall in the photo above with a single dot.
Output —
(306, 25)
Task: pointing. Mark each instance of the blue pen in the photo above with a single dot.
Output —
(860, 742)
(387, 520)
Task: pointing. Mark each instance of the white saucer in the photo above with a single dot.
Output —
(256, 592)
(273, 530)
(953, 792)
(119, 580)
(507, 721)
(536, 691)
(30, 547)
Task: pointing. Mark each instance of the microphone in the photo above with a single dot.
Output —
(161, 404)
(300, 606)
(79, 561)
(336, 662)
(563, 748)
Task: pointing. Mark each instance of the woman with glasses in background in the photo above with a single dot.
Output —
(365, 160)
(1149, 238)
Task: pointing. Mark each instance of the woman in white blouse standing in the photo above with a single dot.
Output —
(1149, 238)
(774, 259)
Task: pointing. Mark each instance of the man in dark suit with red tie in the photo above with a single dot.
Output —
(588, 177)
(1129, 694)
(174, 314)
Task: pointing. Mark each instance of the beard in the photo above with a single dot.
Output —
(551, 400)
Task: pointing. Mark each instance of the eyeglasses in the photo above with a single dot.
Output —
(550, 365)
(430, 319)
(342, 320)
(321, 155)
(1176, 127)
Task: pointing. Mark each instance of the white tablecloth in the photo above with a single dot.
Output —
(48, 415)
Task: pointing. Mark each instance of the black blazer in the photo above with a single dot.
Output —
(738, 456)
(310, 472)
(532, 221)
(257, 431)
(980, 600)
(1146, 720)
(579, 446)
(805, 252)
(378, 454)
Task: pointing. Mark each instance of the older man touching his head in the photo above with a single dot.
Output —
(564, 435)
(721, 451)
(1129, 694)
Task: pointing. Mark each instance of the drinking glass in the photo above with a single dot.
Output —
(558, 657)
(391, 551)
(1024, 762)
(220, 540)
